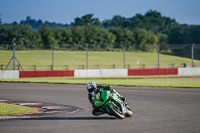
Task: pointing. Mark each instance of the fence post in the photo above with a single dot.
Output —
(52, 67)
(18, 67)
(192, 54)
(124, 55)
(184, 65)
(14, 56)
(35, 67)
(158, 56)
(143, 66)
(113, 66)
(67, 67)
(2, 67)
(86, 56)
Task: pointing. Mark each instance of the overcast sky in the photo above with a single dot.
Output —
(64, 11)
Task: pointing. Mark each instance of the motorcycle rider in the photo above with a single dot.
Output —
(91, 87)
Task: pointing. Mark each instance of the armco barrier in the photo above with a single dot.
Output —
(9, 74)
(100, 72)
(31, 74)
(188, 71)
(146, 72)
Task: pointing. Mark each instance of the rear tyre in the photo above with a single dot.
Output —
(114, 111)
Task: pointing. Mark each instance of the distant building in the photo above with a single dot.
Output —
(28, 18)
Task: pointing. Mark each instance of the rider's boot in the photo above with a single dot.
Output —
(97, 112)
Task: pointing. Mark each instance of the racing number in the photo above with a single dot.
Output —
(97, 95)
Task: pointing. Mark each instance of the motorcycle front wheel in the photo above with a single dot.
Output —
(115, 111)
(129, 112)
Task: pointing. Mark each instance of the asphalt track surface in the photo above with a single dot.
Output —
(156, 110)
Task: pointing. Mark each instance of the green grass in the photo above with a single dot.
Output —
(77, 58)
(118, 81)
(11, 109)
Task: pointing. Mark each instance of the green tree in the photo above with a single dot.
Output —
(150, 21)
(153, 21)
(184, 34)
(123, 36)
(98, 37)
(48, 37)
(86, 20)
(177, 36)
(116, 21)
(23, 36)
(6, 36)
(78, 37)
(64, 38)
(145, 40)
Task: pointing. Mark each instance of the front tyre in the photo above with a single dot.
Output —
(129, 113)
(114, 111)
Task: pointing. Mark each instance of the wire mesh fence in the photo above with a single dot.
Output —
(90, 57)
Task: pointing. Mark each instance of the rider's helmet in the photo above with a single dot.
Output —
(91, 86)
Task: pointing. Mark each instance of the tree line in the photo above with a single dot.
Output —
(143, 32)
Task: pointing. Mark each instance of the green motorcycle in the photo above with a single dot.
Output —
(111, 104)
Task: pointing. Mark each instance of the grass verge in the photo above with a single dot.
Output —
(151, 81)
(11, 109)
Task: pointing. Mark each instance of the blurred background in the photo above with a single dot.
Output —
(60, 35)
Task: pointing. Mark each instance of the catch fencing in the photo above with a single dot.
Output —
(54, 58)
